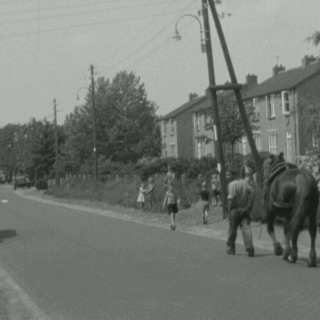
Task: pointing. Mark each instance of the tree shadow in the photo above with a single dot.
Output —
(7, 234)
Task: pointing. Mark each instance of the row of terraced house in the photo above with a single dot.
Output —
(281, 105)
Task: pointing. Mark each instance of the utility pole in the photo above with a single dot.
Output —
(218, 147)
(56, 142)
(94, 127)
(237, 90)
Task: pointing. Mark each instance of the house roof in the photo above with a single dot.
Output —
(183, 108)
(284, 80)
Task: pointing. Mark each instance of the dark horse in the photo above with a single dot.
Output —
(292, 194)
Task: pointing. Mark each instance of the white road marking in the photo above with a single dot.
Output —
(4, 201)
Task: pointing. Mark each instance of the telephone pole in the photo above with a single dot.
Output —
(237, 89)
(56, 142)
(218, 147)
(95, 156)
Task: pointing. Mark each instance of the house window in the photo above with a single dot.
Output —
(197, 121)
(173, 147)
(257, 140)
(165, 152)
(208, 121)
(172, 126)
(272, 141)
(285, 102)
(256, 108)
(270, 106)
(164, 127)
(199, 150)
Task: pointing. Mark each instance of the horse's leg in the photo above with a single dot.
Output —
(287, 247)
(294, 251)
(313, 233)
(278, 251)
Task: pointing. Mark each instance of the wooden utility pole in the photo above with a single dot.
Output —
(218, 146)
(56, 142)
(94, 126)
(237, 90)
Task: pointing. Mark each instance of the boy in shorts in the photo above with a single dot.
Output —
(171, 202)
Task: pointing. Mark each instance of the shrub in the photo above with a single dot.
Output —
(41, 184)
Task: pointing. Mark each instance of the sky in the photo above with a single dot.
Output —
(47, 47)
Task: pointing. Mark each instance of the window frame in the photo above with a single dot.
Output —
(273, 142)
(256, 106)
(172, 126)
(285, 102)
(269, 100)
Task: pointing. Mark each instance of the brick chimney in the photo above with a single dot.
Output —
(306, 60)
(192, 96)
(276, 69)
(251, 80)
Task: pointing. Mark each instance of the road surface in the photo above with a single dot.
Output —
(77, 265)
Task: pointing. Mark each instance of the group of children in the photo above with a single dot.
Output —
(171, 200)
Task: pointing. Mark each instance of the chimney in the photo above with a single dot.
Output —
(276, 69)
(192, 96)
(251, 80)
(306, 60)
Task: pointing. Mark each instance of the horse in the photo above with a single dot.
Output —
(292, 194)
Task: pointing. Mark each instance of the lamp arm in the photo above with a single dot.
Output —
(193, 16)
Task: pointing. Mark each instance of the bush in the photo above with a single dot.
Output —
(41, 185)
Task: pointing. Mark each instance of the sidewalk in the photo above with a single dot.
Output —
(189, 221)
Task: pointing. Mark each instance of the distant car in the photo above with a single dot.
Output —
(21, 182)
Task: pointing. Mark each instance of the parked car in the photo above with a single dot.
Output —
(21, 182)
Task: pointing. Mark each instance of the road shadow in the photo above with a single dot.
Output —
(7, 234)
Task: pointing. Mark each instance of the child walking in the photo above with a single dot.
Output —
(215, 184)
(204, 197)
(141, 197)
(171, 202)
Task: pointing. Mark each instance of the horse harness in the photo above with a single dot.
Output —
(276, 169)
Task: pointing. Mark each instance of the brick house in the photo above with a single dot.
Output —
(176, 129)
(282, 105)
(181, 127)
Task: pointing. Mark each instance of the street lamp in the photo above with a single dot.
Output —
(178, 37)
(77, 96)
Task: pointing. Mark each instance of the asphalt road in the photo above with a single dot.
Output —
(77, 265)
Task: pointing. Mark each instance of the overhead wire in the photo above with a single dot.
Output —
(83, 25)
(79, 13)
(153, 37)
(15, 12)
(141, 31)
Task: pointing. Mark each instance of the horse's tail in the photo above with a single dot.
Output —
(305, 204)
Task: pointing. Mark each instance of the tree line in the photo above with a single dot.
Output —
(127, 129)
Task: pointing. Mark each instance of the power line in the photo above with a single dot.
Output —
(83, 25)
(78, 13)
(153, 37)
(73, 7)
(135, 36)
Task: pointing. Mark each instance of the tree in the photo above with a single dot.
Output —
(29, 147)
(314, 38)
(126, 122)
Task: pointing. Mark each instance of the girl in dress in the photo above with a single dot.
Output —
(141, 197)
